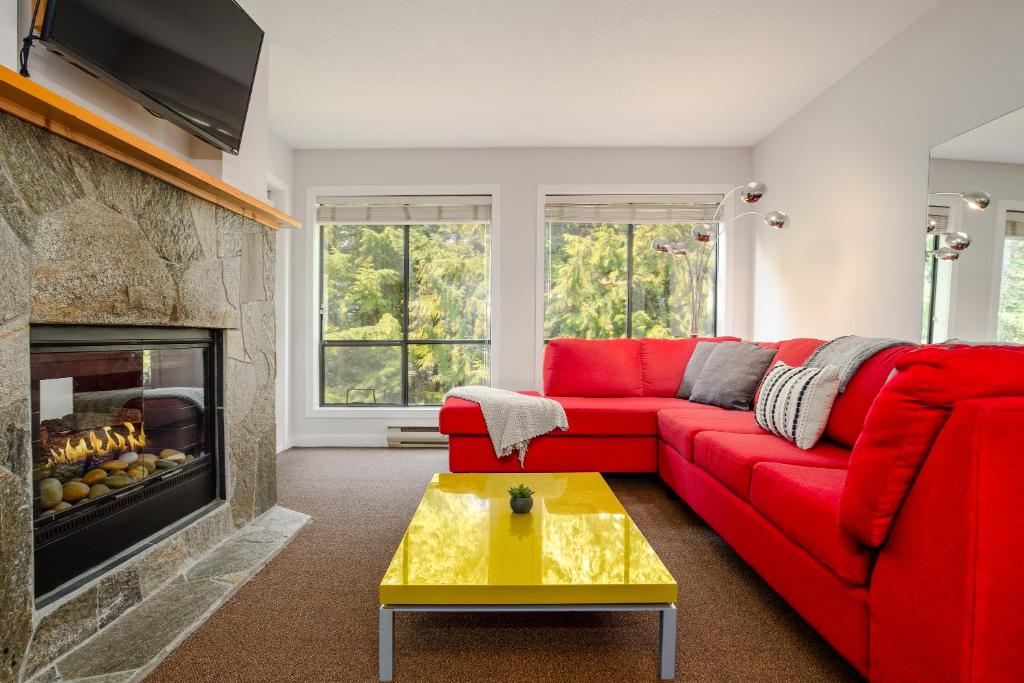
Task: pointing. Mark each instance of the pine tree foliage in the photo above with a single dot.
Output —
(586, 282)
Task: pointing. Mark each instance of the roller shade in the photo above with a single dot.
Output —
(635, 209)
(938, 220)
(1015, 223)
(403, 210)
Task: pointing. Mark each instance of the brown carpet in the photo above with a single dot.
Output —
(311, 614)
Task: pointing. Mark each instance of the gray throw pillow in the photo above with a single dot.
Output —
(701, 353)
(731, 375)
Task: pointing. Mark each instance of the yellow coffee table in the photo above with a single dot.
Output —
(577, 550)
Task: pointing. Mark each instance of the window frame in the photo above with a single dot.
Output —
(406, 341)
(932, 242)
(630, 257)
(1001, 272)
(1004, 207)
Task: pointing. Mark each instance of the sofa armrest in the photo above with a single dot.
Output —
(946, 593)
(458, 416)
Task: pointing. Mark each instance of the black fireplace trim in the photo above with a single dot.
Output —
(55, 337)
(196, 485)
(113, 563)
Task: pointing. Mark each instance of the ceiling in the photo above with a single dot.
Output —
(1000, 141)
(526, 73)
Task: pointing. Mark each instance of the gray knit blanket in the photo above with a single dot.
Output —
(513, 419)
(849, 353)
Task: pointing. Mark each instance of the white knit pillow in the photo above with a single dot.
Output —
(794, 403)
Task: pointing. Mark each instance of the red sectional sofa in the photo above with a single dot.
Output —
(898, 537)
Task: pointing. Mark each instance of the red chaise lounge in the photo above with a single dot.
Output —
(898, 537)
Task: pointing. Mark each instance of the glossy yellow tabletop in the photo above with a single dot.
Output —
(577, 546)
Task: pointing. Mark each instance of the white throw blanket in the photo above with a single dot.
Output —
(513, 419)
(849, 353)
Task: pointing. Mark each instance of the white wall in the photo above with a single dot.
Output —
(68, 81)
(247, 171)
(9, 35)
(976, 286)
(851, 169)
(517, 174)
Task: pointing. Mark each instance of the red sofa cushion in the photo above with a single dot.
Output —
(587, 416)
(663, 361)
(803, 502)
(905, 419)
(679, 427)
(793, 352)
(851, 407)
(730, 458)
(592, 367)
(469, 453)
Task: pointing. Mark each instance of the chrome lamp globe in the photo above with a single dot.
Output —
(705, 233)
(752, 192)
(946, 254)
(974, 199)
(956, 244)
(773, 219)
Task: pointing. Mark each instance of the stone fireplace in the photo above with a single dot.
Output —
(89, 245)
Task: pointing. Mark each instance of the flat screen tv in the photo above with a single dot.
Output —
(190, 61)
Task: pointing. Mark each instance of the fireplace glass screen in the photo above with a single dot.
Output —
(119, 417)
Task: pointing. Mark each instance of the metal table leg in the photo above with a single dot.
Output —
(666, 626)
(667, 643)
(385, 651)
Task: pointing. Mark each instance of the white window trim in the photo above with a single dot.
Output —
(279, 192)
(311, 312)
(727, 269)
(995, 301)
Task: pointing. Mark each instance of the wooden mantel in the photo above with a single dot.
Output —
(31, 102)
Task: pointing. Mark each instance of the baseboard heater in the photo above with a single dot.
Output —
(415, 437)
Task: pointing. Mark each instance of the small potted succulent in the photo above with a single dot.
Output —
(520, 498)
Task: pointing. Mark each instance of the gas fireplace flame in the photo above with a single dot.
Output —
(106, 443)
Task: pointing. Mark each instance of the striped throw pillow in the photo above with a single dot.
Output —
(794, 403)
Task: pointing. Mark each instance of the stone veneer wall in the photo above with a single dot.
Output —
(85, 239)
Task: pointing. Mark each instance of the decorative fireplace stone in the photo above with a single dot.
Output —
(86, 240)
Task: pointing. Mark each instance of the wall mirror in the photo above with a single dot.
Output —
(974, 235)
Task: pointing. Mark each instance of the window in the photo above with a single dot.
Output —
(602, 280)
(1011, 288)
(405, 298)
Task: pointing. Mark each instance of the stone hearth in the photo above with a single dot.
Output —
(87, 240)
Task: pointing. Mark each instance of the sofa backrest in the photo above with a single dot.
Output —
(794, 352)
(846, 420)
(663, 361)
(617, 367)
(905, 419)
(592, 367)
